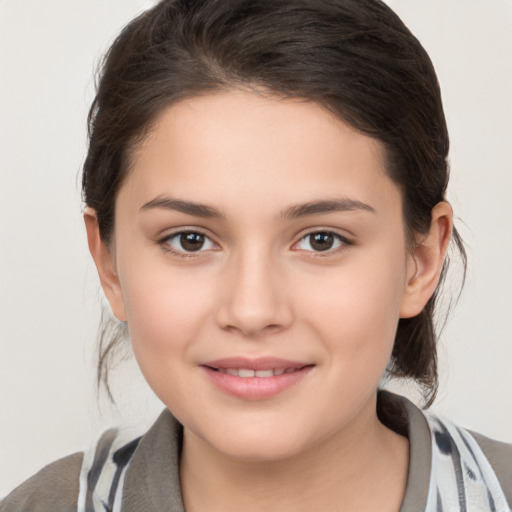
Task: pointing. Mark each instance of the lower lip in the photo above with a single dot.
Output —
(255, 388)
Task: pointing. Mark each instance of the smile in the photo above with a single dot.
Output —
(255, 379)
(246, 372)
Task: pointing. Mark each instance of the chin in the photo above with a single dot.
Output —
(258, 451)
(255, 440)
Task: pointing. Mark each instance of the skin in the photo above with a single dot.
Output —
(258, 288)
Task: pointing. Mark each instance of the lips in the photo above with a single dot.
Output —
(255, 379)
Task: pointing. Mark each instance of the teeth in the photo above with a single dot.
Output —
(264, 373)
(245, 372)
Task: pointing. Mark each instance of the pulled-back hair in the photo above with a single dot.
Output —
(354, 57)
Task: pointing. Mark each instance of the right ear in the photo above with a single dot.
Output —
(105, 264)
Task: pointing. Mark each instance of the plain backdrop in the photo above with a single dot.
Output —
(49, 292)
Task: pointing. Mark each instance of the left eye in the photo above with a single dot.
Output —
(189, 241)
(321, 241)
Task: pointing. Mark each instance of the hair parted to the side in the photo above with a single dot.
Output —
(354, 57)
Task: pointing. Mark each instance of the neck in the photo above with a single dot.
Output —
(362, 467)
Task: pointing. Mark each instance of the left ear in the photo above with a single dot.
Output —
(426, 261)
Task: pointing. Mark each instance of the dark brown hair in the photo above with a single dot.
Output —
(354, 57)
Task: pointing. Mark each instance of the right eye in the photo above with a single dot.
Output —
(185, 242)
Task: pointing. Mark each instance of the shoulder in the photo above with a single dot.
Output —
(55, 488)
(448, 463)
(143, 472)
(481, 467)
(499, 455)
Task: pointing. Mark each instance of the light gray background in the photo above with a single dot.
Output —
(49, 299)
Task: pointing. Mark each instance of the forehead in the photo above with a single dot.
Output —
(241, 148)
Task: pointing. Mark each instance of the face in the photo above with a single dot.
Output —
(262, 268)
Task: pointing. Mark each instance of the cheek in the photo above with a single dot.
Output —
(165, 310)
(356, 310)
(165, 315)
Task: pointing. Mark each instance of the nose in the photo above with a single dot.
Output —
(254, 299)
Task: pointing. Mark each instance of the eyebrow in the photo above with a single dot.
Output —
(179, 205)
(327, 206)
(293, 212)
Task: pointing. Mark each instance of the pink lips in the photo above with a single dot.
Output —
(255, 379)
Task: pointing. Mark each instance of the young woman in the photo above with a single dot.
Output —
(265, 204)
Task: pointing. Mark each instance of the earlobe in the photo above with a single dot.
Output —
(426, 261)
(105, 264)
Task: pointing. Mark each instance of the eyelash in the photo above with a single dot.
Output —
(165, 243)
(344, 243)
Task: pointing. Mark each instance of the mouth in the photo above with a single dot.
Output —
(255, 379)
(247, 372)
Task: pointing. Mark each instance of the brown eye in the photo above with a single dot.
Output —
(189, 241)
(192, 241)
(321, 241)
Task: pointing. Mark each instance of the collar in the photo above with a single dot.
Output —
(153, 482)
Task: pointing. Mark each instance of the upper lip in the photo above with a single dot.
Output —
(261, 363)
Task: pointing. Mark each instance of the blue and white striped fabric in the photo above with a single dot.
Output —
(462, 479)
(103, 471)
